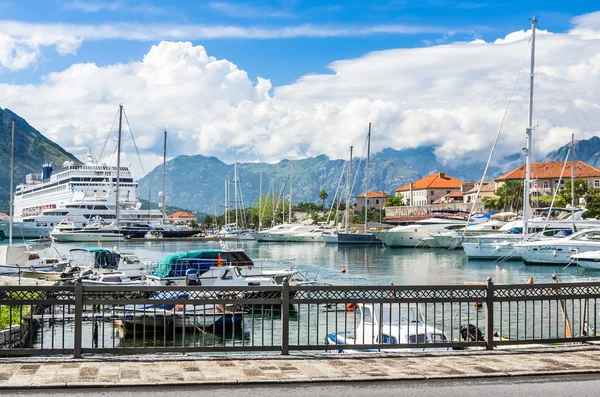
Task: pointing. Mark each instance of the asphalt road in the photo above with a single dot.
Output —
(548, 386)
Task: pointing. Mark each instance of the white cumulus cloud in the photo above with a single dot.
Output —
(451, 96)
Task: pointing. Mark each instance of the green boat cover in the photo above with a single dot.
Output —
(163, 268)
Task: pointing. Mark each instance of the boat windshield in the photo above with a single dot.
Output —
(395, 315)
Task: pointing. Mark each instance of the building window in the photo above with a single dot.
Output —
(367, 201)
(447, 192)
(585, 184)
(431, 202)
(377, 201)
(545, 185)
(596, 183)
(432, 193)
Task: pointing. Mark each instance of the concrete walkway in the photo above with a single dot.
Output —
(148, 370)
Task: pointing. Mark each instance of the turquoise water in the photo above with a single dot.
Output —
(372, 265)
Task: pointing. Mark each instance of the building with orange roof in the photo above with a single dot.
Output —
(182, 217)
(549, 176)
(429, 189)
(374, 200)
(488, 189)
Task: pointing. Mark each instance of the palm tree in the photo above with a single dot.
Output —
(511, 195)
(323, 196)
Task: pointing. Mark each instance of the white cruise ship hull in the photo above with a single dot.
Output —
(26, 230)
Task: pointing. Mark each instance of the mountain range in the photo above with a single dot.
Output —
(198, 182)
(32, 150)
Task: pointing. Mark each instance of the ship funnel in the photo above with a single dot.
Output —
(47, 171)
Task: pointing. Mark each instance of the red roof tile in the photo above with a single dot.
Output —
(182, 214)
(552, 170)
(487, 187)
(379, 194)
(438, 180)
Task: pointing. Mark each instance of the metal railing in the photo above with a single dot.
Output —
(77, 319)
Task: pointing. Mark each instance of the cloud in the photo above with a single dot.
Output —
(92, 6)
(247, 10)
(23, 42)
(451, 96)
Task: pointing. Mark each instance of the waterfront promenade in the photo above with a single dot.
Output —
(146, 370)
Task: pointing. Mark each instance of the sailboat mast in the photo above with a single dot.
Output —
(273, 202)
(164, 195)
(260, 202)
(573, 180)
(117, 207)
(12, 171)
(226, 200)
(528, 133)
(348, 183)
(235, 192)
(291, 173)
(367, 177)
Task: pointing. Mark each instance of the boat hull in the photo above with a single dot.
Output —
(491, 250)
(87, 237)
(358, 239)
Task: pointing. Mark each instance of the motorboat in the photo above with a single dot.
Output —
(233, 233)
(358, 238)
(171, 269)
(387, 324)
(502, 246)
(17, 259)
(559, 251)
(452, 236)
(169, 316)
(589, 260)
(98, 231)
(109, 279)
(412, 235)
(290, 233)
(103, 260)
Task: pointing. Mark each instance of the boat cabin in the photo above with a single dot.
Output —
(176, 265)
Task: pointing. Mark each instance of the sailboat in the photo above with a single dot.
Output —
(20, 258)
(366, 237)
(100, 230)
(235, 231)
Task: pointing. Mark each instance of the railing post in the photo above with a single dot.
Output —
(78, 319)
(489, 315)
(285, 318)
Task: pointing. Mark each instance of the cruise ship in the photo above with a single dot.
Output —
(79, 193)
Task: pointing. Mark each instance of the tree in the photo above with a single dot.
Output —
(323, 196)
(511, 195)
(592, 203)
(491, 203)
(394, 201)
(563, 197)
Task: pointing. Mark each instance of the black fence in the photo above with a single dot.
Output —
(77, 319)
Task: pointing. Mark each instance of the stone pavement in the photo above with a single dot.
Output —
(145, 370)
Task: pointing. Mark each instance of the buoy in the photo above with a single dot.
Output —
(350, 307)
(343, 270)
(530, 281)
(478, 305)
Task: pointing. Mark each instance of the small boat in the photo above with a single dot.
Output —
(171, 269)
(170, 316)
(104, 260)
(115, 279)
(387, 324)
(588, 260)
(17, 259)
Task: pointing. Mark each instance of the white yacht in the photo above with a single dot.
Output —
(588, 260)
(559, 251)
(291, 233)
(412, 235)
(99, 231)
(453, 236)
(18, 259)
(79, 193)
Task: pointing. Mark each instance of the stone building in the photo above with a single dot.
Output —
(375, 200)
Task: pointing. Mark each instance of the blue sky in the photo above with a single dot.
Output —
(284, 60)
